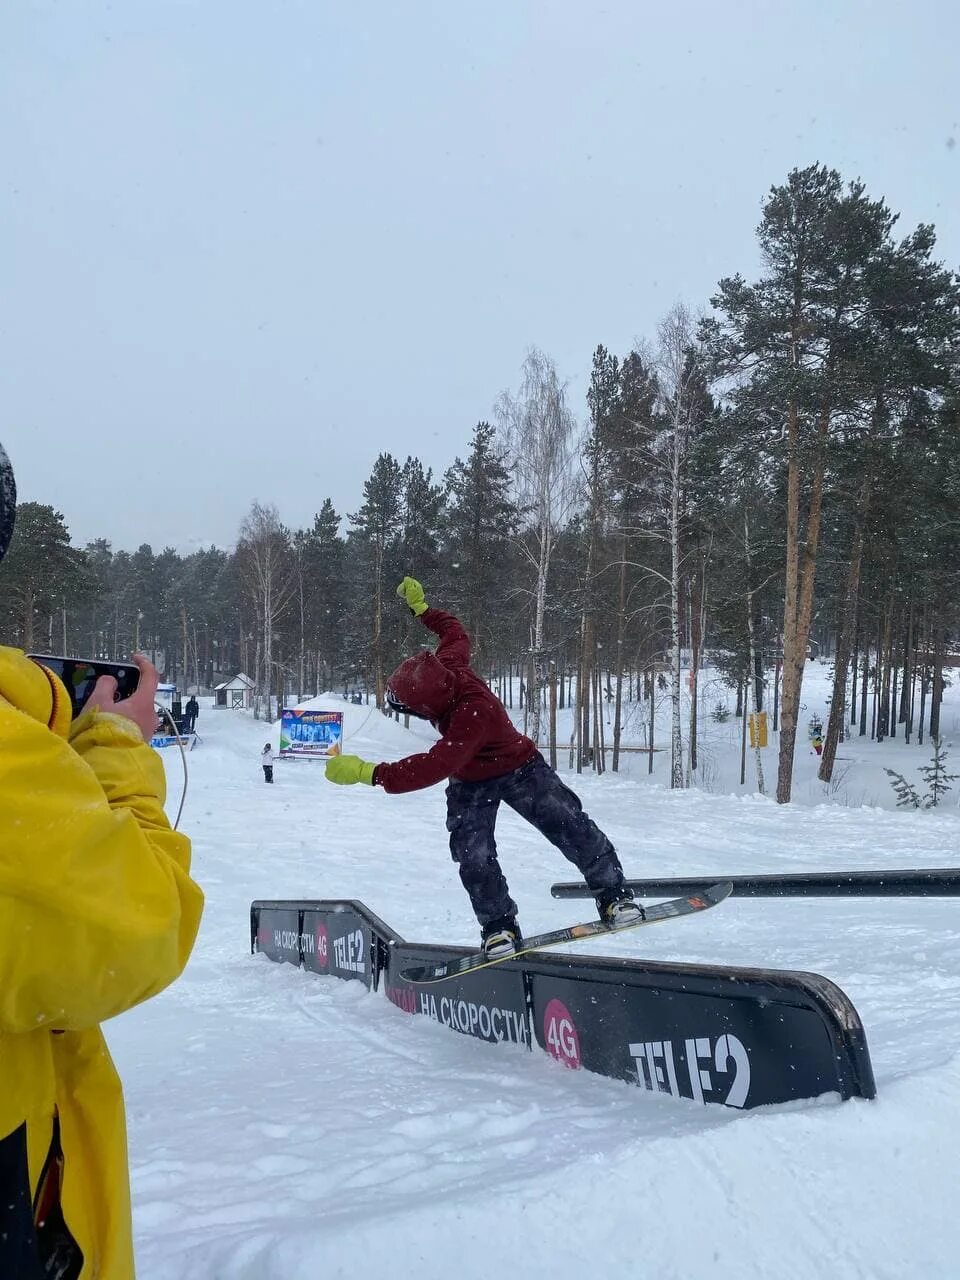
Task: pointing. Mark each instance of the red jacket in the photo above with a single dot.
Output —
(479, 740)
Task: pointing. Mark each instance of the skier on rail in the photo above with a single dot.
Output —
(486, 761)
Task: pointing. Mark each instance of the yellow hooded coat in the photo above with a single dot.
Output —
(97, 912)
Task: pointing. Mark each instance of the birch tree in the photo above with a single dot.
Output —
(539, 433)
(680, 379)
(264, 555)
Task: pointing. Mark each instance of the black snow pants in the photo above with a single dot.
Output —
(537, 794)
(268, 773)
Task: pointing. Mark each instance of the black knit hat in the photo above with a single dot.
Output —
(8, 502)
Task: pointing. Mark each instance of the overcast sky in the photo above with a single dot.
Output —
(246, 246)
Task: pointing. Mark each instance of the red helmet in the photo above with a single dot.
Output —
(422, 686)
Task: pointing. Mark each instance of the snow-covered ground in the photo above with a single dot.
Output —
(287, 1124)
(858, 777)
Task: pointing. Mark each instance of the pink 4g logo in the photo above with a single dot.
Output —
(560, 1034)
(322, 945)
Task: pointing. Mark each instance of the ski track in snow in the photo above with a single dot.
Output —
(284, 1123)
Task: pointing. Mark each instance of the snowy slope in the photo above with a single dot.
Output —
(284, 1123)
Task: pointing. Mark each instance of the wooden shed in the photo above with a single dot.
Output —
(235, 694)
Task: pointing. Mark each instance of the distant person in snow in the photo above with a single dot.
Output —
(266, 759)
(97, 913)
(191, 711)
(486, 761)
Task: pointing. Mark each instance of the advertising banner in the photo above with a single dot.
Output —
(338, 943)
(741, 1038)
(278, 933)
(310, 735)
(489, 1004)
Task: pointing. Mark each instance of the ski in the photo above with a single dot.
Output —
(672, 909)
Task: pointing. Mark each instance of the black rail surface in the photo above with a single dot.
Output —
(943, 882)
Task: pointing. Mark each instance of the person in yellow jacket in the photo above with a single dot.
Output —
(97, 912)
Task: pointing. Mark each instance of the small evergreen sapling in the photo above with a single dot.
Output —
(907, 797)
(934, 775)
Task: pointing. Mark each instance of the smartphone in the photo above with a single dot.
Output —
(79, 675)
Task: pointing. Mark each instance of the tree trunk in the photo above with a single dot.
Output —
(302, 657)
(378, 675)
(924, 674)
(801, 567)
(895, 672)
(854, 667)
(914, 664)
(936, 692)
(186, 643)
(584, 681)
(845, 629)
(777, 666)
(534, 688)
(883, 713)
(621, 624)
(676, 739)
(553, 715)
(653, 717)
(598, 757)
(743, 735)
(257, 684)
(696, 636)
(752, 681)
(903, 711)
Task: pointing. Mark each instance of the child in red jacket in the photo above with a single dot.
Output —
(486, 761)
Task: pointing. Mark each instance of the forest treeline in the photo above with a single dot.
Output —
(775, 478)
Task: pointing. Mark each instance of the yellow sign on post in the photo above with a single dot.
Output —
(757, 723)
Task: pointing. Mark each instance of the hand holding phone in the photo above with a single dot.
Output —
(139, 706)
(79, 676)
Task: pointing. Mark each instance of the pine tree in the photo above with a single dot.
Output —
(40, 570)
(325, 589)
(93, 610)
(796, 333)
(377, 529)
(423, 520)
(481, 522)
(603, 400)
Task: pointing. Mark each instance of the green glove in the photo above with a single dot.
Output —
(411, 592)
(348, 769)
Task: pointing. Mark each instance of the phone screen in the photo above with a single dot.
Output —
(79, 675)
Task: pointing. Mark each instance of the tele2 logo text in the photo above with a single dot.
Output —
(683, 1068)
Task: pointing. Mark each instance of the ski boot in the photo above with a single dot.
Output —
(618, 907)
(501, 937)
